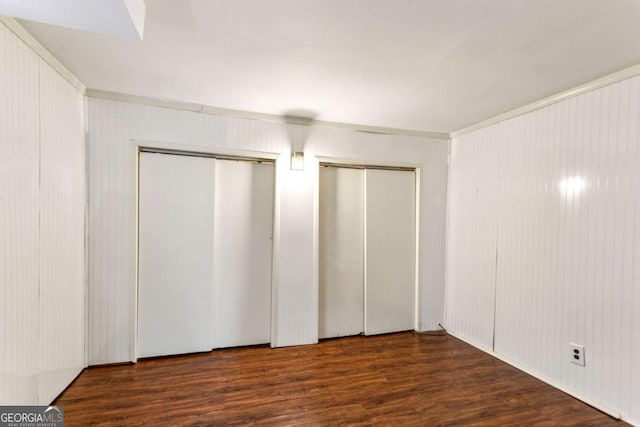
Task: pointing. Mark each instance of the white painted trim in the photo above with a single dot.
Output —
(364, 250)
(85, 138)
(275, 251)
(134, 205)
(447, 228)
(579, 90)
(537, 375)
(417, 321)
(218, 111)
(364, 162)
(214, 151)
(135, 147)
(316, 246)
(42, 52)
(553, 99)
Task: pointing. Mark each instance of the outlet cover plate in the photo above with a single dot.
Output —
(577, 354)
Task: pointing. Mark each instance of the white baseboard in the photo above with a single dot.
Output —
(539, 376)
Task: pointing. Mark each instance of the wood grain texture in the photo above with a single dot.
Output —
(396, 379)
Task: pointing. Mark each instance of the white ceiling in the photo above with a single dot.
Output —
(123, 18)
(413, 64)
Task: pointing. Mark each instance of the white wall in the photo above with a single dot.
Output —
(112, 126)
(42, 202)
(549, 264)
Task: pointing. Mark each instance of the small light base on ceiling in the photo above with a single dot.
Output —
(297, 161)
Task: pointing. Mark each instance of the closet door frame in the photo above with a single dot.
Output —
(138, 146)
(370, 164)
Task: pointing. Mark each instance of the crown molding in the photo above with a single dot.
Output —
(42, 52)
(553, 99)
(208, 109)
(46, 56)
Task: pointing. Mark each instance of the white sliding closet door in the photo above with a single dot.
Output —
(242, 252)
(175, 291)
(341, 303)
(389, 251)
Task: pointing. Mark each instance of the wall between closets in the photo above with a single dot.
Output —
(115, 125)
(544, 243)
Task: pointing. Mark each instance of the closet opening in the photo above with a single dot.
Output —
(367, 249)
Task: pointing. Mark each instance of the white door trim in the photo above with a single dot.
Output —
(134, 157)
(378, 164)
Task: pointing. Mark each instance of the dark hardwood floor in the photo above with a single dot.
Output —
(397, 379)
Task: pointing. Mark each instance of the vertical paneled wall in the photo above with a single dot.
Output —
(42, 201)
(544, 232)
(62, 238)
(19, 229)
(471, 236)
(113, 125)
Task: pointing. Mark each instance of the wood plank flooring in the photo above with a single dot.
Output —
(396, 379)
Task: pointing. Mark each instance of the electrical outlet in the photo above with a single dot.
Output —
(577, 354)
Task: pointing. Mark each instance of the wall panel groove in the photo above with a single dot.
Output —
(61, 199)
(114, 124)
(41, 227)
(567, 186)
(19, 212)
